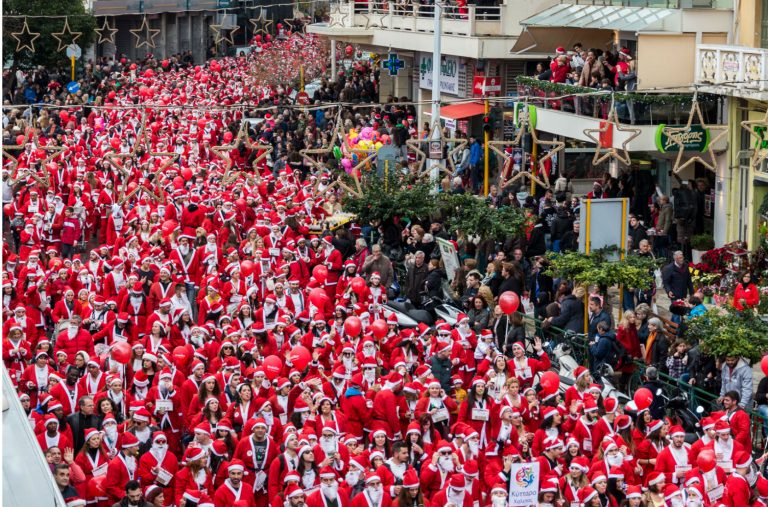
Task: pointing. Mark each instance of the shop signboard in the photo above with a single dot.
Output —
(694, 138)
(449, 74)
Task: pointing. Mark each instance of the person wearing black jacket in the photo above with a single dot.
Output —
(133, 496)
(761, 398)
(570, 240)
(512, 279)
(537, 244)
(82, 420)
(636, 232)
(561, 225)
(571, 316)
(542, 290)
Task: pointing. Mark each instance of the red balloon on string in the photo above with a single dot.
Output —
(550, 381)
(300, 357)
(358, 285)
(349, 50)
(20, 139)
(186, 173)
(509, 302)
(320, 273)
(8, 209)
(706, 460)
(353, 326)
(164, 63)
(115, 143)
(246, 268)
(318, 297)
(272, 367)
(643, 398)
(379, 328)
(168, 227)
(764, 365)
(121, 352)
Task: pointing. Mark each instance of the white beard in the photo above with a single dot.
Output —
(375, 494)
(184, 249)
(474, 447)
(369, 376)
(453, 498)
(71, 332)
(349, 363)
(130, 463)
(269, 418)
(143, 435)
(329, 447)
(352, 478)
(329, 491)
(159, 452)
(369, 352)
(614, 461)
(499, 502)
(445, 463)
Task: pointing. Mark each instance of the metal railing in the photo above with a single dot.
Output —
(696, 395)
(636, 108)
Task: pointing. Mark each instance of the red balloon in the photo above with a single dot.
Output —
(64, 116)
(112, 95)
(764, 364)
(379, 328)
(115, 143)
(149, 73)
(168, 227)
(121, 352)
(227, 137)
(181, 355)
(8, 209)
(246, 268)
(133, 66)
(318, 297)
(186, 173)
(320, 273)
(258, 38)
(300, 357)
(272, 367)
(550, 381)
(349, 50)
(353, 326)
(509, 302)
(643, 398)
(706, 460)
(358, 285)
(178, 182)
(164, 63)
(20, 139)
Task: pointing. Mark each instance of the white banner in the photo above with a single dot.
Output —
(449, 73)
(450, 257)
(524, 484)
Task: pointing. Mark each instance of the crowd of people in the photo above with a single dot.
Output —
(162, 281)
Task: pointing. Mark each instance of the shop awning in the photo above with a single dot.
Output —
(461, 111)
(603, 17)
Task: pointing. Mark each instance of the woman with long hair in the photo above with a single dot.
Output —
(418, 451)
(477, 409)
(651, 446)
(243, 409)
(438, 405)
(211, 413)
(379, 443)
(209, 388)
(626, 335)
(225, 433)
(410, 492)
(575, 480)
(308, 471)
(181, 327)
(195, 475)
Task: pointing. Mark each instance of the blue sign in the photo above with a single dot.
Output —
(393, 64)
(73, 87)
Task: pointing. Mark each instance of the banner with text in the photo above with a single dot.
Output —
(449, 74)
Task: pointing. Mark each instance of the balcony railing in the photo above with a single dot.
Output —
(469, 20)
(114, 7)
(738, 67)
(667, 4)
(634, 108)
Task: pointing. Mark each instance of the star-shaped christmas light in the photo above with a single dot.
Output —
(673, 132)
(139, 188)
(66, 31)
(146, 33)
(31, 137)
(554, 147)
(25, 33)
(759, 130)
(325, 150)
(106, 32)
(296, 22)
(261, 23)
(436, 134)
(337, 18)
(218, 31)
(622, 155)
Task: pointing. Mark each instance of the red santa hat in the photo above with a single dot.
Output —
(293, 491)
(129, 440)
(722, 427)
(458, 481)
(610, 405)
(634, 492)
(654, 425)
(655, 478)
(586, 494)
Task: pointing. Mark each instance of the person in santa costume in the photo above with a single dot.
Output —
(524, 368)
(159, 465)
(328, 494)
(122, 468)
(195, 476)
(234, 488)
(373, 495)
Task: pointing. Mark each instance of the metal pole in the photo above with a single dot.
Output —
(333, 60)
(436, 61)
(486, 162)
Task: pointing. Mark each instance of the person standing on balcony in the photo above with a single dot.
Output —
(625, 77)
(559, 67)
(592, 68)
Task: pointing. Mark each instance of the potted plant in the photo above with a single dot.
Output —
(700, 244)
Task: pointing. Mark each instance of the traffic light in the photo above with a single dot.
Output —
(487, 125)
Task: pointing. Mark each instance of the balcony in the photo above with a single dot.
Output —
(569, 110)
(115, 7)
(471, 31)
(732, 70)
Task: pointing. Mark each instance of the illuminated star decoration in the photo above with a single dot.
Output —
(621, 155)
(106, 32)
(672, 132)
(261, 23)
(146, 33)
(218, 36)
(325, 150)
(759, 130)
(336, 17)
(224, 150)
(555, 147)
(25, 33)
(435, 134)
(295, 22)
(65, 31)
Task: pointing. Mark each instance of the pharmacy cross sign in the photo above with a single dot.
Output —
(393, 64)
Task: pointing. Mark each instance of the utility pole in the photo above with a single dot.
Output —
(434, 171)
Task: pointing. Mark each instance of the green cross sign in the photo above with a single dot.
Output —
(393, 64)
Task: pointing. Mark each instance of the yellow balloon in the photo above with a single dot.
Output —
(378, 145)
(352, 133)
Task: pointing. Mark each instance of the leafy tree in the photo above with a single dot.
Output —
(724, 332)
(471, 215)
(46, 53)
(633, 271)
(386, 197)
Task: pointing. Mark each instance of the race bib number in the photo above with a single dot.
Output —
(440, 415)
(715, 493)
(480, 414)
(523, 373)
(100, 471)
(587, 444)
(166, 405)
(164, 476)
